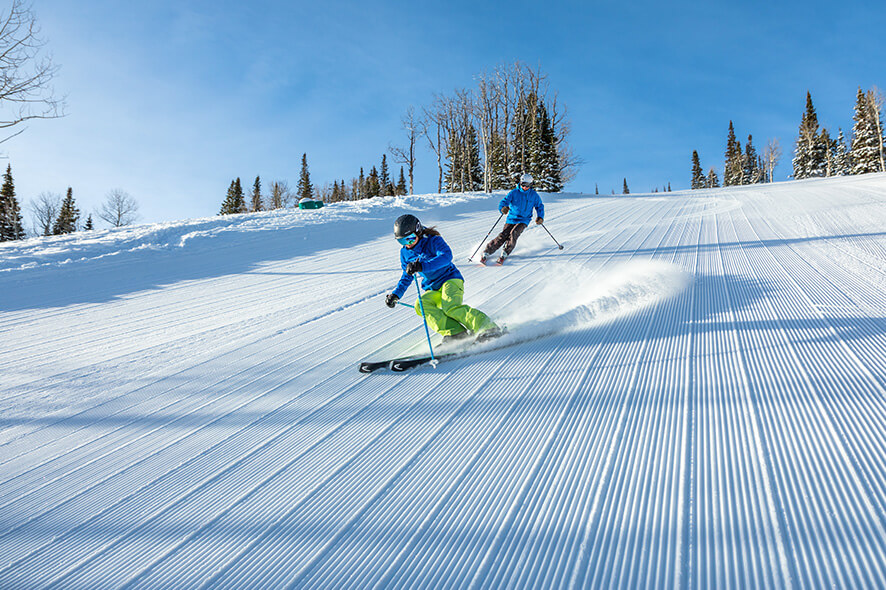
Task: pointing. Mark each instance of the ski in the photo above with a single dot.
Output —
(399, 365)
(370, 366)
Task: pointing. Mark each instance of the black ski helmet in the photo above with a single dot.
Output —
(407, 224)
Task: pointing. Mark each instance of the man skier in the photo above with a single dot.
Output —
(518, 204)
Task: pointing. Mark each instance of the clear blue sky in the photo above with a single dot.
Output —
(170, 100)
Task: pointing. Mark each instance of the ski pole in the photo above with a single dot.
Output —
(425, 319)
(552, 236)
(484, 239)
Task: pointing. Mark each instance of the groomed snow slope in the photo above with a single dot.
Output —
(698, 400)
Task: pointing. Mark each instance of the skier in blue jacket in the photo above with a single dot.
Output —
(425, 253)
(518, 204)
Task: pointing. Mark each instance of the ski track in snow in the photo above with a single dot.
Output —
(692, 395)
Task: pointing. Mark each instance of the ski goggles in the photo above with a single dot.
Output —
(408, 239)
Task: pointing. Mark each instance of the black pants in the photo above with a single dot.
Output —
(508, 236)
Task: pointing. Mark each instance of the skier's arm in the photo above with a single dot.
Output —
(442, 256)
(505, 202)
(405, 280)
(539, 207)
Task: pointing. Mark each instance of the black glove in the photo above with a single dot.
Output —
(413, 267)
(505, 209)
(391, 300)
(539, 220)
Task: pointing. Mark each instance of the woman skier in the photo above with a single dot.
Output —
(425, 253)
(518, 204)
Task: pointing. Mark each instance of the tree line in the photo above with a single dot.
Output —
(482, 138)
(53, 214)
(816, 153)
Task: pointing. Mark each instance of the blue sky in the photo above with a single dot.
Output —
(170, 100)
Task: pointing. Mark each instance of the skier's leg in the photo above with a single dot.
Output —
(438, 321)
(498, 240)
(513, 237)
(452, 293)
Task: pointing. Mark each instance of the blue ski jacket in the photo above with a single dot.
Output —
(436, 264)
(520, 204)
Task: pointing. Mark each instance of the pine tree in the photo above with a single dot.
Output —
(11, 227)
(865, 150)
(842, 161)
(624, 189)
(361, 185)
(401, 184)
(752, 172)
(256, 195)
(731, 177)
(810, 155)
(305, 189)
(698, 178)
(498, 156)
(234, 201)
(89, 225)
(384, 178)
(373, 189)
(713, 179)
(68, 216)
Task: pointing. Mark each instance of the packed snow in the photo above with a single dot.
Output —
(691, 394)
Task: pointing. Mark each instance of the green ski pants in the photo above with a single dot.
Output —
(446, 313)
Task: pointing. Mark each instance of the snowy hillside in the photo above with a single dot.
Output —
(693, 396)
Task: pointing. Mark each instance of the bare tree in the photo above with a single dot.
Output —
(413, 127)
(119, 209)
(44, 210)
(25, 74)
(771, 157)
(280, 195)
(434, 128)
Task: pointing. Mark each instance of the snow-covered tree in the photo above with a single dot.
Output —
(733, 167)
(810, 154)
(698, 177)
(867, 135)
(842, 161)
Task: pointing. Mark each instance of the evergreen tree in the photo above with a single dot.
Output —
(384, 178)
(256, 195)
(624, 189)
(11, 227)
(234, 201)
(698, 178)
(752, 171)
(373, 189)
(401, 184)
(865, 150)
(713, 179)
(361, 185)
(68, 216)
(305, 190)
(89, 225)
(732, 167)
(842, 161)
(810, 155)
(828, 149)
